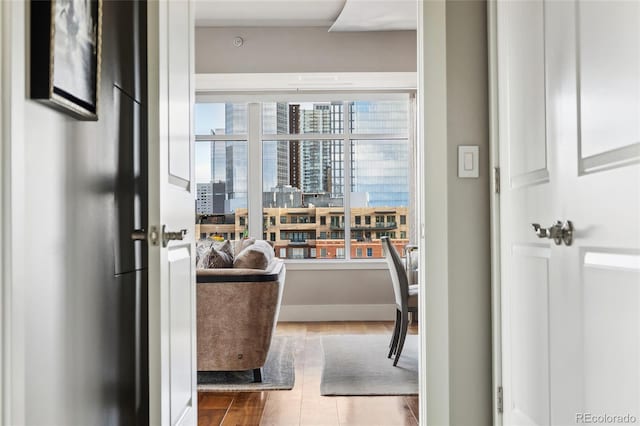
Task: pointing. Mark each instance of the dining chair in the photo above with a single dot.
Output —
(406, 298)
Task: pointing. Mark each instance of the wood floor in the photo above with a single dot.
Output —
(303, 405)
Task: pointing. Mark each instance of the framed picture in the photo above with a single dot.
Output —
(66, 38)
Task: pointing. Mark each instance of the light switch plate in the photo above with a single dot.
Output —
(468, 161)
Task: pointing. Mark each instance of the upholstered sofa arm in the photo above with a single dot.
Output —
(237, 311)
(241, 274)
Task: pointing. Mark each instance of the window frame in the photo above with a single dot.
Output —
(255, 139)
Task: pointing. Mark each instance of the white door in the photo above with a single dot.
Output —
(172, 387)
(569, 134)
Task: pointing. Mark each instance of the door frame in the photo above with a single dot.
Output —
(12, 211)
(494, 166)
(433, 302)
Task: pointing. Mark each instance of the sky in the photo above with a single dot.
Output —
(208, 116)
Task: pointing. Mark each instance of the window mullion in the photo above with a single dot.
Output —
(254, 172)
(347, 177)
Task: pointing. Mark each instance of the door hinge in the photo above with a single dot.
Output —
(499, 400)
(496, 180)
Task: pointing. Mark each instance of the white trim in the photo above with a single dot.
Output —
(335, 265)
(4, 283)
(296, 82)
(13, 81)
(304, 137)
(327, 95)
(347, 147)
(494, 161)
(435, 398)
(254, 170)
(419, 220)
(337, 312)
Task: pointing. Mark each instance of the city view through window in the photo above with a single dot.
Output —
(308, 158)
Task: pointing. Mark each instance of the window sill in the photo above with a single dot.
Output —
(341, 265)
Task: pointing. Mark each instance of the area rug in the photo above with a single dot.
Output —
(278, 372)
(358, 365)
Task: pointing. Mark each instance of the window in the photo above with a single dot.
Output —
(335, 159)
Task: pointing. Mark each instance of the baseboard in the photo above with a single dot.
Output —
(337, 312)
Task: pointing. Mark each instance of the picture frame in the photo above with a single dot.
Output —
(65, 57)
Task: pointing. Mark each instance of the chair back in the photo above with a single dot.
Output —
(397, 271)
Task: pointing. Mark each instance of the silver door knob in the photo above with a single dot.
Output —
(558, 232)
(172, 236)
(138, 235)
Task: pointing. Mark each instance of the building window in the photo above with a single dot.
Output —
(283, 253)
(403, 235)
(369, 252)
(341, 159)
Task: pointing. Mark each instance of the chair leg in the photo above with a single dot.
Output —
(257, 375)
(401, 337)
(394, 338)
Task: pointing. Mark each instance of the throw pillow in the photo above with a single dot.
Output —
(224, 247)
(242, 244)
(218, 259)
(202, 246)
(255, 256)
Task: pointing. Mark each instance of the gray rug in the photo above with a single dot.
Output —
(358, 365)
(278, 372)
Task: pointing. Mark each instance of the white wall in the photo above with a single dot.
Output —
(287, 50)
(335, 294)
(455, 105)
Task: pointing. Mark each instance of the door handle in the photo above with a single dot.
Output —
(172, 236)
(559, 232)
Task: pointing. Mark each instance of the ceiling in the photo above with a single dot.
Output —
(338, 15)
